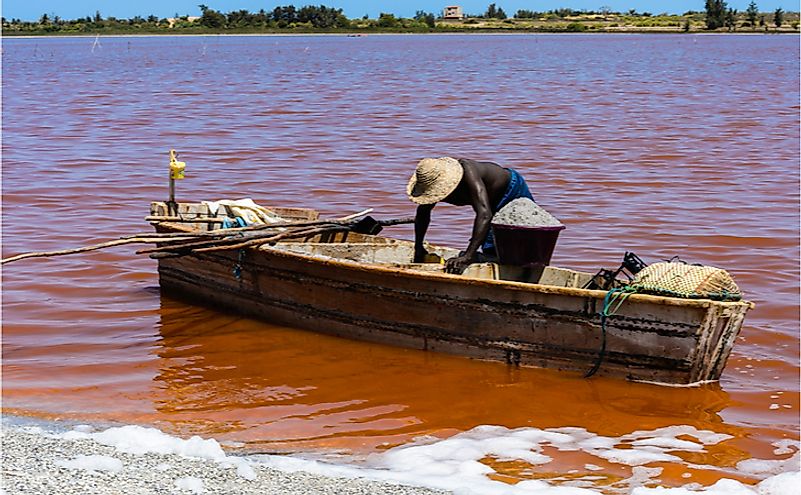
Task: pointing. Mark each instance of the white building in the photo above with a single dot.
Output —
(453, 12)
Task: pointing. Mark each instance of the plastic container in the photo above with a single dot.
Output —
(525, 246)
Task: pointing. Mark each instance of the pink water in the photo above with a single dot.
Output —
(663, 145)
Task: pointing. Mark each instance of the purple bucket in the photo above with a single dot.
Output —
(525, 246)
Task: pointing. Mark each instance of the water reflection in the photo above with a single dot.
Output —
(636, 143)
(278, 388)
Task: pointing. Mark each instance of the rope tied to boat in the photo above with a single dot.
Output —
(668, 279)
(613, 300)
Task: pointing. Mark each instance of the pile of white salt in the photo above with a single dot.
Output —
(523, 212)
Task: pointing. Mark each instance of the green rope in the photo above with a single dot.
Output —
(615, 297)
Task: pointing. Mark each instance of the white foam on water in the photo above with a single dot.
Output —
(190, 483)
(92, 463)
(139, 440)
(783, 446)
(782, 484)
(773, 466)
(244, 470)
(455, 463)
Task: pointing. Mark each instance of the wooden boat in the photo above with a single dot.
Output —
(364, 287)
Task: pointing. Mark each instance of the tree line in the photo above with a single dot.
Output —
(308, 17)
(717, 15)
(320, 17)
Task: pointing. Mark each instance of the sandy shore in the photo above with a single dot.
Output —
(35, 463)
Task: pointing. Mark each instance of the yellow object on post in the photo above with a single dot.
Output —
(176, 168)
(176, 172)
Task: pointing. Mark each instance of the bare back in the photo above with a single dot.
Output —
(495, 179)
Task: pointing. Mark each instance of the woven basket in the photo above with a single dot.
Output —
(690, 281)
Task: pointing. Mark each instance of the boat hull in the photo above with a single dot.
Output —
(650, 338)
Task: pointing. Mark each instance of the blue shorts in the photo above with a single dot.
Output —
(517, 188)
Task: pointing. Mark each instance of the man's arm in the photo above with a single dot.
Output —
(421, 221)
(479, 199)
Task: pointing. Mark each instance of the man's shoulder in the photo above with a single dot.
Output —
(469, 162)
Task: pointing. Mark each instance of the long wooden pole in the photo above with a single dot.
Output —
(216, 240)
(235, 238)
(273, 239)
(303, 223)
(94, 247)
(260, 226)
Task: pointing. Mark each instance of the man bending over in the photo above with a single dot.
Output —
(485, 186)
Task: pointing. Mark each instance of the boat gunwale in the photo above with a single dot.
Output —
(509, 284)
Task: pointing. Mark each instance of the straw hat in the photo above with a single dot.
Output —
(434, 180)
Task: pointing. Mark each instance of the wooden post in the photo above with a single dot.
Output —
(172, 206)
(176, 172)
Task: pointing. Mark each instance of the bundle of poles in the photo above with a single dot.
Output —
(172, 244)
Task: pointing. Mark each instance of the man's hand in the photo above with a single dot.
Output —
(458, 264)
(420, 255)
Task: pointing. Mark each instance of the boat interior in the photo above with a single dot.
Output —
(396, 253)
(375, 249)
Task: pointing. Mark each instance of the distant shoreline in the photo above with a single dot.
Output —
(389, 33)
(322, 20)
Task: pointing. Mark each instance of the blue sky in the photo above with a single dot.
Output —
(71, 9)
